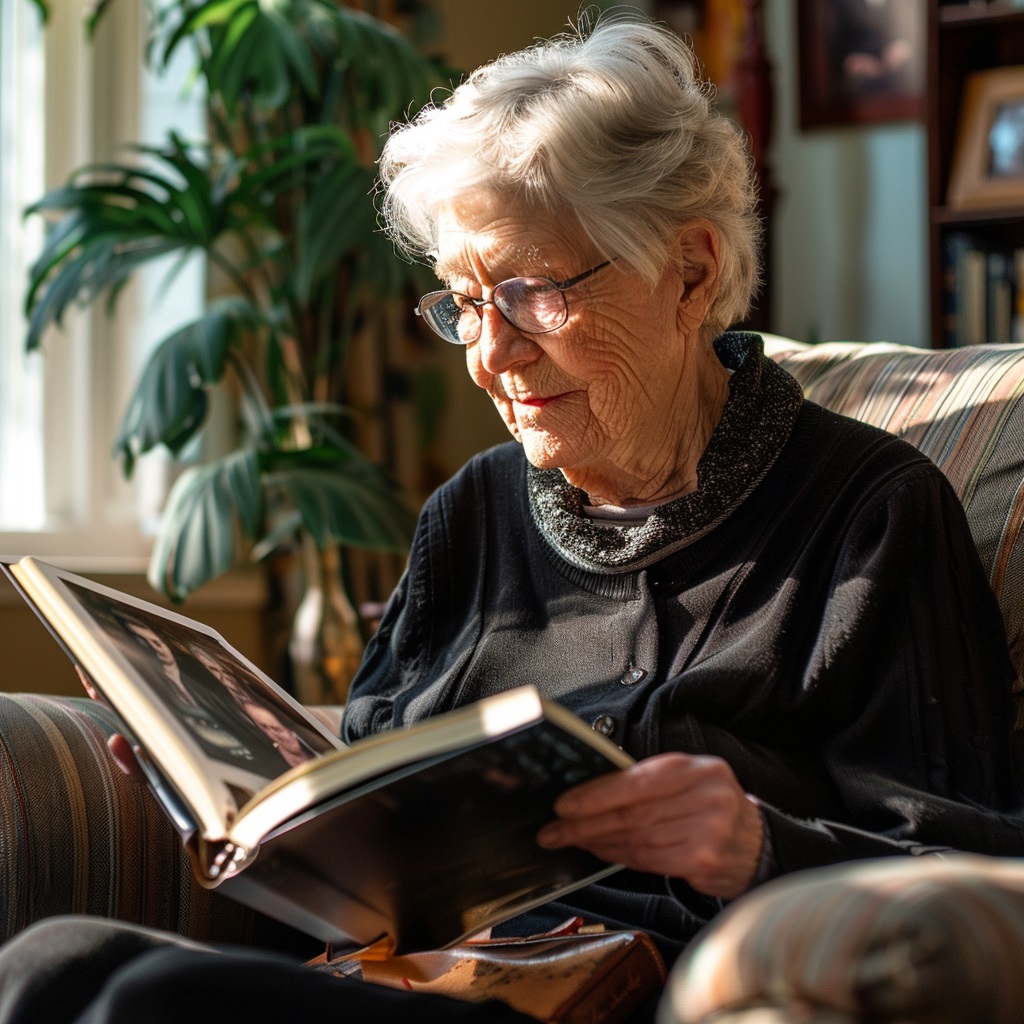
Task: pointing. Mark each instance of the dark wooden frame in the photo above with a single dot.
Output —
(824, 100)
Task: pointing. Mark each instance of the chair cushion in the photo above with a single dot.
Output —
(964, 409)
(898, 939)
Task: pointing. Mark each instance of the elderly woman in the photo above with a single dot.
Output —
(777, 611)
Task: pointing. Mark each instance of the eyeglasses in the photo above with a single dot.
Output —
(533, 305)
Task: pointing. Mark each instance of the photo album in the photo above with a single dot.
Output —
(422, 836)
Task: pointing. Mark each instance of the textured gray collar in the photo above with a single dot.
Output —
(756, 421)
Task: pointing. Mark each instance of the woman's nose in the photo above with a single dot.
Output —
(502, 346)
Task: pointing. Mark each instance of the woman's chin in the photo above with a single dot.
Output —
(545, 451)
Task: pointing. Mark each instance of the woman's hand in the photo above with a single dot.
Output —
(672, 814)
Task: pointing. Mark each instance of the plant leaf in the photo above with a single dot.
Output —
(343, 497)
(336, 218)
(115, 218)
(206, 506)
(170, 400)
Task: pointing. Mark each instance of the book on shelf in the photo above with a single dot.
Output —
(998, 300)
(421, 837)
(983, 292)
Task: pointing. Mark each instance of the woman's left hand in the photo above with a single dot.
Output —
(672, 814)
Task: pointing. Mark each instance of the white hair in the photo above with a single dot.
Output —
(613, 127)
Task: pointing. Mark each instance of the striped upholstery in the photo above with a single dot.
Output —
(77, 836)
(899, 940)
(964, 408)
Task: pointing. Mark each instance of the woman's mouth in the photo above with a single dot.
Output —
(538, 401)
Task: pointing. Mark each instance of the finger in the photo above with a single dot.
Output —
(707, 815)
(87, 683)
(663, 777)
(125, 757)
(716, 852)
(666, 818)
(624, 820)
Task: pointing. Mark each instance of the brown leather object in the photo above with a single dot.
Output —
(573, 979)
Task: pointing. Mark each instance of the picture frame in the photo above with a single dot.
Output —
(860, 61)
(987, 170)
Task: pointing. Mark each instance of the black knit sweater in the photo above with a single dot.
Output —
(824, 625)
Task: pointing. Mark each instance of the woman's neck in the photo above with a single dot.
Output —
(662, 464)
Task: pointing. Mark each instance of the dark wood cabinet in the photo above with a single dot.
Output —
(963, 38)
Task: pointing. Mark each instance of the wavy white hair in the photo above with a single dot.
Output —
(611, 126)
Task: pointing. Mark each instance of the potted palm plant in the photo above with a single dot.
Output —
(298, 94)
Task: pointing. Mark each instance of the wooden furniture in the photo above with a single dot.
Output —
(730, 44)
(755, 103)
(963, 37)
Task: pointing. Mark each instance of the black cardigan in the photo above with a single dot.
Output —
(834, 639)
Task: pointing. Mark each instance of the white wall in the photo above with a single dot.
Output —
(849, 257)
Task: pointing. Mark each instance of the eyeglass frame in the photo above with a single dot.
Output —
(476, 304)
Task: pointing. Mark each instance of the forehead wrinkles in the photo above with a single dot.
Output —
(494, 257)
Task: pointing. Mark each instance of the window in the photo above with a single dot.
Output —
(21, 153)
(68, 101)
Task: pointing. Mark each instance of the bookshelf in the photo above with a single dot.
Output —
(964, 38)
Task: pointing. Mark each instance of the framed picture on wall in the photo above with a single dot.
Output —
(988, 162)
(860, 61)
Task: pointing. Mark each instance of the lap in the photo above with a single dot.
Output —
(91, 971)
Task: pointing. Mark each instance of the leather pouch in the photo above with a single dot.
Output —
(581, 978)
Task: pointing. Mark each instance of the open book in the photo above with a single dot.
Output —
(424, 835)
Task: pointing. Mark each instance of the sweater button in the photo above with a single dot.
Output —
(632, 676)
(605, 725)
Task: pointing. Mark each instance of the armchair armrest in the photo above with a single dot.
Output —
(77, 836)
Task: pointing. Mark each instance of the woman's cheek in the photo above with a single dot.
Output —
(506, 412)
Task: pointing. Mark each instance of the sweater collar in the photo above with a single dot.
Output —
(756, 422)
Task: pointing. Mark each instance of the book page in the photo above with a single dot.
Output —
(190, 700)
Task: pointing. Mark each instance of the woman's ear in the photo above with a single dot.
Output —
(697, 248)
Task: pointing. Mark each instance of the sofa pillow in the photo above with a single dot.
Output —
(897, 939)
(964, 409)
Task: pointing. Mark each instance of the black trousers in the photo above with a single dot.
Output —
(85, 970)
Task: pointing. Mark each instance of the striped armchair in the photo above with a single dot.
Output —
(75, 836)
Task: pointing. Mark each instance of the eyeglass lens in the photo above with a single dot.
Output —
(530, 304)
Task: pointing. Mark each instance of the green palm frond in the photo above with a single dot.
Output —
(204, 512)
(333, 220)
(342, 497)
(114, 219)
(170, 400)
(337, 496)
(299, 95)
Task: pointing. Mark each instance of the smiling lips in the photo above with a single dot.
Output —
(539, 401)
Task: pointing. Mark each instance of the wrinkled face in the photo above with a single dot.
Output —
(593, 392)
